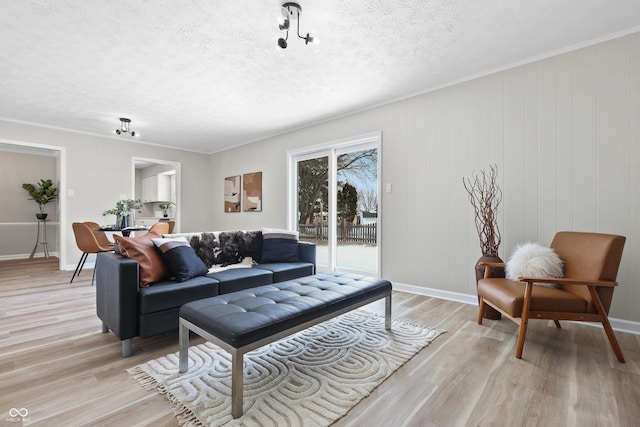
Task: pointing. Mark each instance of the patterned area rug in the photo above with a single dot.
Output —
(311, 378)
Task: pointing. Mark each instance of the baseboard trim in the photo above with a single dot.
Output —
(72, 267)
(26, 256)
(620, 325)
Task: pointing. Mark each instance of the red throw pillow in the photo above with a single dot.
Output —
(151, 267)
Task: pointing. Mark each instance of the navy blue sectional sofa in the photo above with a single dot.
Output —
(130, 310)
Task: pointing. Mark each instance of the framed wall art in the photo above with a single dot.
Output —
(232, 194)
(252, 192)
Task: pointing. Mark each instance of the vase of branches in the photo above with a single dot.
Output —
(485, 196)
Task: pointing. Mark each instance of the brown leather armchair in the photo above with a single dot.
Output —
(591, 262)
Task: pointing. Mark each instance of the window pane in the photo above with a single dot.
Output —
(313, 224)
(357, 209)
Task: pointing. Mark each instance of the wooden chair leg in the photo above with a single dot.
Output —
(524, 320)
(606, 325)
(522, 333)
(612, 339)
(480, 310)
(557, 324)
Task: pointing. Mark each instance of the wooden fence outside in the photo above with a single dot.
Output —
(347, 233)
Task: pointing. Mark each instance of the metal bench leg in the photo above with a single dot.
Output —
(126, 348)
(387, 312)
(237, 380)
(183, 340)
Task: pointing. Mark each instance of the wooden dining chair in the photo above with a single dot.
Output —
(591, 262)
(88, 244)
(172, 226)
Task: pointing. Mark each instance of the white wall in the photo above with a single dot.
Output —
(99, 170)
(565, 135)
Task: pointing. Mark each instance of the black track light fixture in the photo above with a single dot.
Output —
(124, 127)
(291, 11)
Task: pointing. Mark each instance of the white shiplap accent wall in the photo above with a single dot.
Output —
(564, 132)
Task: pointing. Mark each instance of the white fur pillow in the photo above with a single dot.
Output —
(534, 260)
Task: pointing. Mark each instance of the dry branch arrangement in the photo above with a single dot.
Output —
(485, 197)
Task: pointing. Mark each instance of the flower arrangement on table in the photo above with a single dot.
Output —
(125, 211)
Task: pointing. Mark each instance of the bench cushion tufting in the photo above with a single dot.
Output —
(244, 317)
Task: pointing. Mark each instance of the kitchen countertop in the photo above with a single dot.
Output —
(154, 217)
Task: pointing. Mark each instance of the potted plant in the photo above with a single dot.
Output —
(165, 206)
(44, 193)
(125, 211)
(485, 196)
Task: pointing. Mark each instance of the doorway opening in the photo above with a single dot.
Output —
(157, 184)
(59, 153)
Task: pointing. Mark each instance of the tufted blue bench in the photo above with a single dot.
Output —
(245, 320)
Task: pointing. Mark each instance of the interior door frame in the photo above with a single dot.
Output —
(60, 154)
(177, 167)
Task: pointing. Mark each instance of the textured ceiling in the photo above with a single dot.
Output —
(205, 75)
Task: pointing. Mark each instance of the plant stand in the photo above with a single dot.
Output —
(41, 238)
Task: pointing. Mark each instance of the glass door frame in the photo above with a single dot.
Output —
(332, 150)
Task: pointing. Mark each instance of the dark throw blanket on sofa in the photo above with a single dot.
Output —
(226, 247)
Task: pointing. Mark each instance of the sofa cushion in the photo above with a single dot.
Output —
(238, 279)
(279, 246)
(180, 258)
(170, 294)
(284, 271)
(141, 248)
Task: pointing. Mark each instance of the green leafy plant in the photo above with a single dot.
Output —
(166, 205)
(44, 193)
(125, 207)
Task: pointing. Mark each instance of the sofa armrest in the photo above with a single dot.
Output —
(117, 285)
(307, 253)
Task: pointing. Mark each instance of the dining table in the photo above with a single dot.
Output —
(126, 231)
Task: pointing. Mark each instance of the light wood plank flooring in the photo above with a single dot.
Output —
(56, 363)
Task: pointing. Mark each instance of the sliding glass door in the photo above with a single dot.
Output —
(333, 202)
(313, 204)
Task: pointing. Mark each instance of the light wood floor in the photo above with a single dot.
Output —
(56, 363)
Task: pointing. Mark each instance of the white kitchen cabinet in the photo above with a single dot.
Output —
(156, 188)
